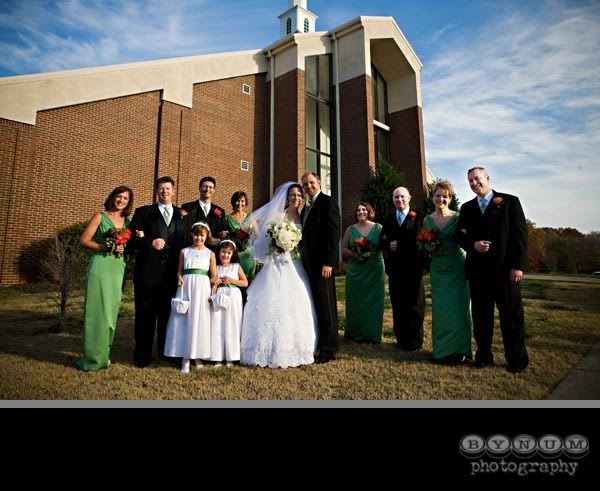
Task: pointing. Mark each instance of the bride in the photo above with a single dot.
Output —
(279, 328)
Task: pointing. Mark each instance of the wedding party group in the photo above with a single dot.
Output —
(258, 288)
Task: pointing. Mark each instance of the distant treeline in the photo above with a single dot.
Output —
(565, 250)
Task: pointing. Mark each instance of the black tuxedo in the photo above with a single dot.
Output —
(155, 278)
(405, 268)
(504, 225)
(320, 247)
(215, 219)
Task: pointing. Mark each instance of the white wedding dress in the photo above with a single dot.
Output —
(279, 328)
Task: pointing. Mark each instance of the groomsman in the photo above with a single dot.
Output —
(493, 231)
(404, 266)
(158, 239)
(204, 210)
(320, 255)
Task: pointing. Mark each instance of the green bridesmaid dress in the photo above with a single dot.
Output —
(103, 293)
(246, 260)
(451, 307)
(365, 288)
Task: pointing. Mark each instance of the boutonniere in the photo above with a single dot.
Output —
(498, 200)
(218, 212)
(412, 214)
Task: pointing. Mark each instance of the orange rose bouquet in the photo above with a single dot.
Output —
(362, 247)
(117, 237)
(428, 241)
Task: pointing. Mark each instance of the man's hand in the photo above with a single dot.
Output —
(482, 246)
(516, 275)
(326, 272)
(394, 246)
(158, 244)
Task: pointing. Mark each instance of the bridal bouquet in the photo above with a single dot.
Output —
(427, 241)
(285, 237)
(117, 237)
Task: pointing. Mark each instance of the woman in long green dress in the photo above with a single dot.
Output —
(103, 235)
(238, 225)
(451, 323)
(365, 277)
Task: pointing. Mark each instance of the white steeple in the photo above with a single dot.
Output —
(297, 18)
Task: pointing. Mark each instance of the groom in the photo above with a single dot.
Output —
(320, 255)
(493, 231)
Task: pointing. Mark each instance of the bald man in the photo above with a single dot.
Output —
(404, 266)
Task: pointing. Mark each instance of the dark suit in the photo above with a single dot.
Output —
(405, 268)
(504, 225)
(155, 278)
(215, 219)
(320, 247)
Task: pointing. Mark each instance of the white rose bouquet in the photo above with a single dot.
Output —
(285, 237)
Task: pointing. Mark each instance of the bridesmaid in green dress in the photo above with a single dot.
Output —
(238, 223)
(451, 324)
(105, 276)
(365, 277)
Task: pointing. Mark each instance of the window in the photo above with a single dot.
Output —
(318, 123)
(306, 25)
(245, 165)
(246, 89)
(380, 114)
(288, 26)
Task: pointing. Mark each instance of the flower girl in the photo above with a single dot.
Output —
(226, 316)
(188, 334)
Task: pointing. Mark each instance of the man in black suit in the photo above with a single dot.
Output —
(158, 237)
(404, 266)
(493, 231)
(320, 255)
(203, 210)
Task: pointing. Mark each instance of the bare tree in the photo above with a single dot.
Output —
(63, 267)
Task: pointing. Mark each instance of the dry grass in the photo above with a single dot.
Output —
(563, 322)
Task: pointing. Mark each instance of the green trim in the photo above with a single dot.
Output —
(227, 286)
(196, 271)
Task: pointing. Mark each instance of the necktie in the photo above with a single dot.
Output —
(482, 205)
(309, 201)
(167, 216)
(400, 218)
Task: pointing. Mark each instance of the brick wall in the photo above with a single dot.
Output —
(289, 127)
(227, 126)
(59, 172)
(407, 150)
(357, 140)
(66, 165)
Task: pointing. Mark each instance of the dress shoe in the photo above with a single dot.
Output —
(515, 368)
(325, 358)
(483, 364)
(455, 359)
(410, 349)
(141, 363)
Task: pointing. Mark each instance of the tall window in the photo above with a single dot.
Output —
(288, 26)
(306, 25)
(380, 114)
(319, 110)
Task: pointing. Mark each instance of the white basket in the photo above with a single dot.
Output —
(221, 300)
(180, 305)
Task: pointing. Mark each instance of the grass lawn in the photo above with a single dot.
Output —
(563, 323)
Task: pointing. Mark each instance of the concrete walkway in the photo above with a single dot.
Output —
(583, 383)
(563, 279)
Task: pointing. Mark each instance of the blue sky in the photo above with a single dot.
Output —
(512, 85)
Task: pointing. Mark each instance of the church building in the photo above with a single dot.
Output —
(331, 102)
